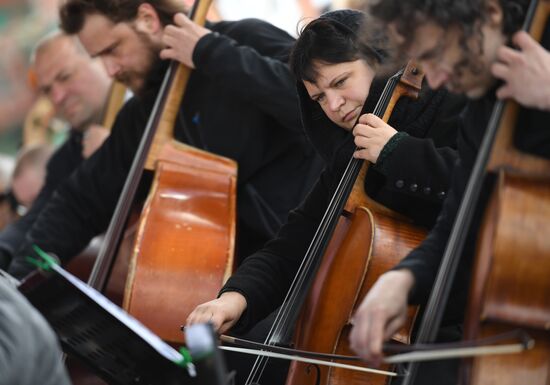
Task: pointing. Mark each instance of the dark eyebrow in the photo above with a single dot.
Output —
(338, 78)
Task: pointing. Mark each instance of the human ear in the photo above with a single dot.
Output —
(147, 19)
(493, 12)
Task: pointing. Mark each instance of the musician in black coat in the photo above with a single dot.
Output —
(410, 174)
(77, 86)
(442, 43)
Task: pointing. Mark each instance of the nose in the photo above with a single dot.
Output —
(111, 66)
(435, 76)
(57, 94)
(335, 101)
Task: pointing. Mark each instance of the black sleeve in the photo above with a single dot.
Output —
(414, 176)
(423, 168)
(238, 60)
(83, 204)
(264, 277)
(424, 261)
(424, 162)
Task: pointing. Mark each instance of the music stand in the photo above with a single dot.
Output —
(115, 345)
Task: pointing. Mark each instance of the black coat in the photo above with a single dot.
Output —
(425, 157)
(241, 103)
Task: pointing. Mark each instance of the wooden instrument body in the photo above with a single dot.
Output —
(511, 282)
(364, 246)
(184, 247)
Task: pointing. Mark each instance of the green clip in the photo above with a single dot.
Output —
(186, 362)
(47, 261)
(186, 358)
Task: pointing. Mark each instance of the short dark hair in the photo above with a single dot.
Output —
(407, 15)
(333, 38)
(73, 13)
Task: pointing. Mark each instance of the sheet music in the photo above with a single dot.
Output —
(137, 327)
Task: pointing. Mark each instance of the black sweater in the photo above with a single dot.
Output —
(425, 158)
(241, 103)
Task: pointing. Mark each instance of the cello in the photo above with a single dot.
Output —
(357, 239)
(510, 286)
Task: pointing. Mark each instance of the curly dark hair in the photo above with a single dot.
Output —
(333, 38)
(467, 14)
(73, 12)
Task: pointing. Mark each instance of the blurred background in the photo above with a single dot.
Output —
(25, 118)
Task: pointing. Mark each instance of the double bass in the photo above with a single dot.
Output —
(184, 244)
(182, 248)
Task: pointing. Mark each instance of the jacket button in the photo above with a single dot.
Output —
(441, 194)
(413, 187)
(427, 190)
(400, 183)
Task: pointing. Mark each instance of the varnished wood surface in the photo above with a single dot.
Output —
(511, 285)
(372, 244)
(185, 241)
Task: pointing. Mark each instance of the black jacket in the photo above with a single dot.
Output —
(62, 163)
(424, 157)
(241, 103)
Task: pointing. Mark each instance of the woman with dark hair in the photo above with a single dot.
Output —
(412, 162)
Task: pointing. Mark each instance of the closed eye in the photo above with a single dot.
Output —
(318, 98)
(107, 51)
(340, 82)
(63, 77)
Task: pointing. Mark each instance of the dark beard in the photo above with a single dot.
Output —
(157, 67)
(154, 77)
